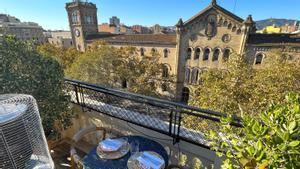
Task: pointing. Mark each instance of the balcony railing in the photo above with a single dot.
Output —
(179, 121)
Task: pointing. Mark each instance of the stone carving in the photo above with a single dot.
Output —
(226, 38)
(211, 26)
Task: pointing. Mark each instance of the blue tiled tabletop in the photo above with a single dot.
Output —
(93, 161)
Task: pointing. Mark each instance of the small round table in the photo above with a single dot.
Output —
(93, 161)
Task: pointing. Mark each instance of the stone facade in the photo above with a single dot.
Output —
(202, 42)
(22, 30)
(83, 21)
(60, 38)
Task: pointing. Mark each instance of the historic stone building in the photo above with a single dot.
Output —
(204, 41)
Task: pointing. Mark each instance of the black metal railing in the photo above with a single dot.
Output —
(179, 121)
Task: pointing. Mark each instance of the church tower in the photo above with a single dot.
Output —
(83, 21)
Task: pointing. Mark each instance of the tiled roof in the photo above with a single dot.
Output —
(161, 39)
(274, 39)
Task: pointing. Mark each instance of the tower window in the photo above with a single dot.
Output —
(153, 51)
(258, 59)
(166, 53)
(165, 71)
(216, 55)
(187, 75)
(195, 75)
(142, 50)
(185, 95)
(206, 54)
(164, 87)
(197, 54)
(189, 53)
(226, 55)
(124, 83)
(75, 18)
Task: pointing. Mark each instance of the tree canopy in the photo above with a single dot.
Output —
(25, 71)
(240, 87)
(118, 67)
(65, 56)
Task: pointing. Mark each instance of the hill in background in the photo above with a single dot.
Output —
(278, 22)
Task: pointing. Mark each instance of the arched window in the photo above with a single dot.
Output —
(229, 26)
(187, 75)
(206, 54)
(258, 59)
(216, 55)
(189, 53)
(221, 21)
(226, 55)
(195, 75)
(185, 95)
(75, 17)
(233, 28)
(124, 83)
(239, 31)
(153, 51)
(142, 52)
(164, 87)
(225, 23)
(166, 53)
(165, 71)
(197, 54)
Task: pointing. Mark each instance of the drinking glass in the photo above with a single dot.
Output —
(134, 148)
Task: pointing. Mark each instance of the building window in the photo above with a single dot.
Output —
(189, 53)
(229, 26)
(225, 23)
(164, 87)
(166, 53)
(187, 75)
(226, 55)
(206, 54)
(153, 52)
(185, 95)
(124, 83)
(165, 71)
(75, 19)
(258, 59)
(239, 31)
(197, 54)
(233, 28)
(195, 75)
(142, 50)
(216, 55)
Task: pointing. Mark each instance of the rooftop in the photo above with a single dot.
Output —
(161, 39)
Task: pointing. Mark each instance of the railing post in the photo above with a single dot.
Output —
(171, 123)
(76, 93)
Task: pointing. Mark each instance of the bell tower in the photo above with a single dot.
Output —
(83, 21)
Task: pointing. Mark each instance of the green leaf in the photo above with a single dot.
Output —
(259, 145)
(294, 143)
(292, 126)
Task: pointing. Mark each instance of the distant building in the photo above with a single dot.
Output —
(60, 38)
(157, 29)
(114, 21)
(111, 28)
(291, 28)
(138, 29)
(270, 29)
(202, 42)
(22, 30)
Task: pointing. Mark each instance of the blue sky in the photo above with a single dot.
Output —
(51, 14)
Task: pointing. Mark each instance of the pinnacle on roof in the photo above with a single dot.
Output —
(180, 23)
(249, 20)
(214, 2)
